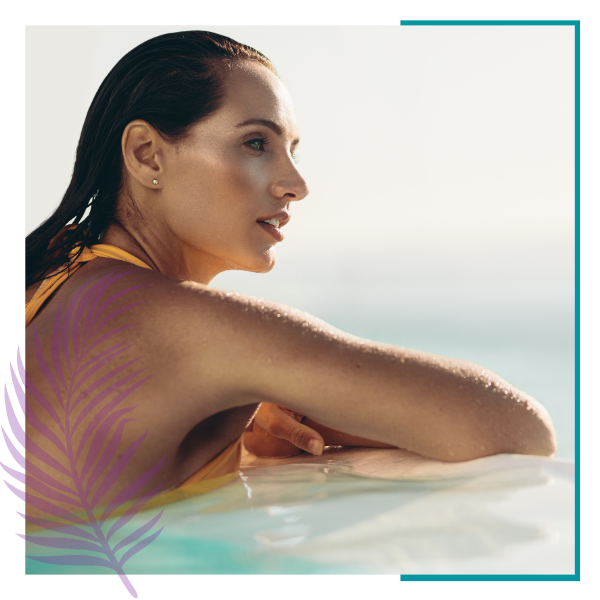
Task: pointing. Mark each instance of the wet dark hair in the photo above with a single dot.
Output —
(171, 81)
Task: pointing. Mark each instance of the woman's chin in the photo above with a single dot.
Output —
(266, 265)
(265, 261)
(259, 264)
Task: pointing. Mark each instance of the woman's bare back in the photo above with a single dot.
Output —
(187, 440)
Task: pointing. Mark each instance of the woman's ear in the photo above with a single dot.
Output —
(141, 147)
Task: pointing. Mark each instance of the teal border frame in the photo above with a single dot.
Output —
(576, 575)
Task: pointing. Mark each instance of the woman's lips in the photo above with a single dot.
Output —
(274, 231)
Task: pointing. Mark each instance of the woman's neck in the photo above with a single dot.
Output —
(116, 235)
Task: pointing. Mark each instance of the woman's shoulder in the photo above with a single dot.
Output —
(176, 311)
(161, 298)
(170, 301)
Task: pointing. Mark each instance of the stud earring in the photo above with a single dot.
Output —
(155, 181)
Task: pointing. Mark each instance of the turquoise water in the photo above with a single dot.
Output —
(318, 519)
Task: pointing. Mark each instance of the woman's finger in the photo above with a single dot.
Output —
(264, 445)
(284, 423)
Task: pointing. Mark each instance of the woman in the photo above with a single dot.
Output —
(186, 163)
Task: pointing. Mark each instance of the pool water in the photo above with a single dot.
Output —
(322, 515)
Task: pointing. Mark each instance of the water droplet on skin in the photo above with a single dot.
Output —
(278, 315)
(228, 294)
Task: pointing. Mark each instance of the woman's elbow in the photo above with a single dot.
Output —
(533, 432)
(541, 441)
(521, 427)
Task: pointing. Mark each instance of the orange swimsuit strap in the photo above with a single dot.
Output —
(52, 283)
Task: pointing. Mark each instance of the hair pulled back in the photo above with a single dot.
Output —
(171, 81)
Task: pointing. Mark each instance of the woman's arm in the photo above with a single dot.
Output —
(239, 349)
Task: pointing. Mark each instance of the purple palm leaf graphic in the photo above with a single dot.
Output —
(87, 391)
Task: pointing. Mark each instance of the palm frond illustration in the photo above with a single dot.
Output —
(77, 449)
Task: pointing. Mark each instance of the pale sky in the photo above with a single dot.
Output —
(409, 135)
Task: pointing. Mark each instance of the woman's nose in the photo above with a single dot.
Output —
(291, 186)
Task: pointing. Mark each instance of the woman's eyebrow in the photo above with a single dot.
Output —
(267, 123)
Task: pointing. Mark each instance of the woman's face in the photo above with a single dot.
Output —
(235, 171)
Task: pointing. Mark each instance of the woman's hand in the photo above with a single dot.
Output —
(277, 432)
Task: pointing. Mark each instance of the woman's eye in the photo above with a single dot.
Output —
(257, 144)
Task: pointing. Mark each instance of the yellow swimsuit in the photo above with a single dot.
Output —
(217, 472)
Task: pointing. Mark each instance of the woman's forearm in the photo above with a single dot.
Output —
(444, 408)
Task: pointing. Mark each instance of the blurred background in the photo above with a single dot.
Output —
(441, 167)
